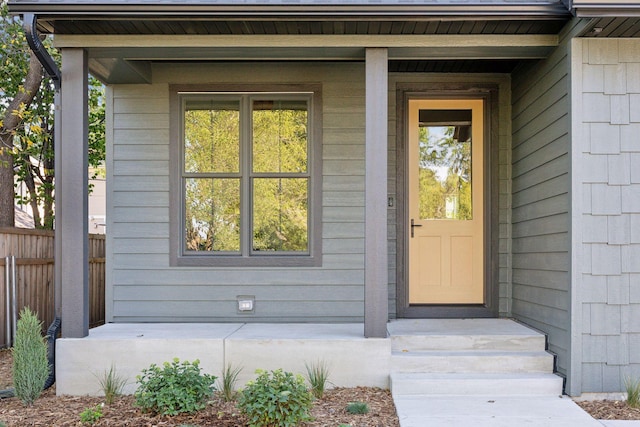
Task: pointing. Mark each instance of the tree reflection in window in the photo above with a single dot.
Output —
(265, 155)
(445, 165)
(280, 185)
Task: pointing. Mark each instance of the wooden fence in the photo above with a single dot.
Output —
(33, 251)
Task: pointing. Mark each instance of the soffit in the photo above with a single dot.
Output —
(614, 27)
(286, 27)
(132, 64)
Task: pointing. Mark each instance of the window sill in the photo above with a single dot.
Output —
(238, 261)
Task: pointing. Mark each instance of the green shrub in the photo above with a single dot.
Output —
(357, 408)
(227, 382)
(275, 398)
(633, 392)
(317, 375)
(112, 384)
(90, 416)
(30, 364)
(173, 389)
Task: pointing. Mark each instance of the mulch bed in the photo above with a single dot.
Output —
(52, 410)
(610, 410)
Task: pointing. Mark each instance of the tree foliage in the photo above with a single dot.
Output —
(278, 160)
(20, 79)
(445, 173)
(26, 103)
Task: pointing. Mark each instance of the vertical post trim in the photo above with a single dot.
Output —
(376, 309)
(72, 220)
(576, 327)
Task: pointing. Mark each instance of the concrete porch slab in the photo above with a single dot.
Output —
(163, 330)
(352, 359)
(130, 348)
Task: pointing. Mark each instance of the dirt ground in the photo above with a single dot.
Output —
(52, 410)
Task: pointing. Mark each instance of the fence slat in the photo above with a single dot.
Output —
(34, 252)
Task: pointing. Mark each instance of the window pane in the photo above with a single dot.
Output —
(212, 215)
(211, 136)
(280, 214)
(279, 136)
(445, 164)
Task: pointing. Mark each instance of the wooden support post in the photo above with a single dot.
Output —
(71, 196)
(376, 266)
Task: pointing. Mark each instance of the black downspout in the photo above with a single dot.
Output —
(30, 24)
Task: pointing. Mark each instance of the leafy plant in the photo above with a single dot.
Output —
(227, 382)
(317, 375)
(90, 416)
(173, 389)
(30, 364)
(275, 398)
(357, 408)
(633, 392)
(112, 384)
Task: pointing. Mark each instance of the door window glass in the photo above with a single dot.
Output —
(445, 164)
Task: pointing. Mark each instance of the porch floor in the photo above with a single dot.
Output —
(307, 331)
(353, 361)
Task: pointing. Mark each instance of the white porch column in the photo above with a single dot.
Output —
(71, 232)
(376, 275)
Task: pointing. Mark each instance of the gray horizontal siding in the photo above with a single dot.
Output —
(229, 276)
(540, 200)
(143, 285)
(215, 310)
(188, 291)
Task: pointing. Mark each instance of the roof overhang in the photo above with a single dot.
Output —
(124, 38)
(323, 9)
(604, 8)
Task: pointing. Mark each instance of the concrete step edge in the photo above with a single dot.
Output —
(460, 342)
(505, 384)
(475, 375)
(470, 353)
(469, 361)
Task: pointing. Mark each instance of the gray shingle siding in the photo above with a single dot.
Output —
(609, 279)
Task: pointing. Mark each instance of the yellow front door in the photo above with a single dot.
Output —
(446, 221)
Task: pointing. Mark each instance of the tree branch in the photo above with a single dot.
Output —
(11, 121)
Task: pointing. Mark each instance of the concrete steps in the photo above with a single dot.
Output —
(476, 372)
(473, 357)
